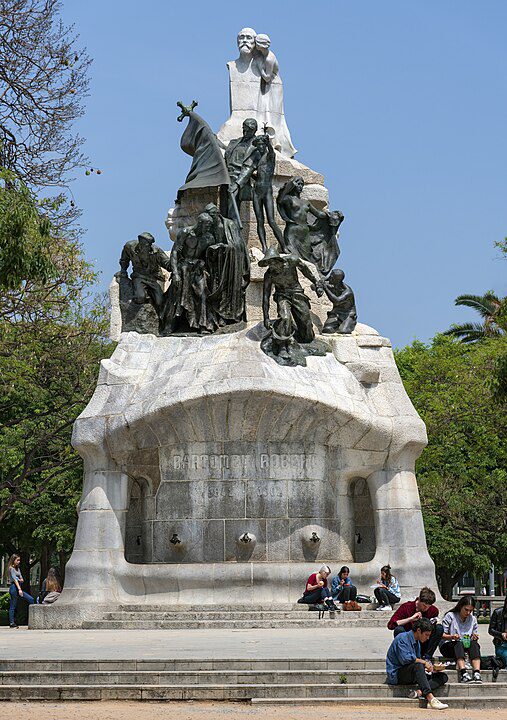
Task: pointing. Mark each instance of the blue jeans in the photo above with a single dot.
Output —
(501, 652)
(13, 592)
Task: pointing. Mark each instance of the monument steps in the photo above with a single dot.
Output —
(279, 607)
(216, 677)
(492, 702)
(229, 617)
(259, 665)
(179, 624)
(298, 681)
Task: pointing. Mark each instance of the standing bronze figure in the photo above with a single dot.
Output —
(235, 155)
(294, 322)
(259, 165)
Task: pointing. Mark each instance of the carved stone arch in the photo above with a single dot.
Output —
(364, 521)
(137, 545)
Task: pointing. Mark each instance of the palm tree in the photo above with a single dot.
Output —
(493, 311)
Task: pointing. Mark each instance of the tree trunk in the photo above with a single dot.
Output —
(63, 561)
(447, 582)
(45, 557)
(25, 571)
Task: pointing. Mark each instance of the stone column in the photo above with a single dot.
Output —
(399, 530)
(93, 571)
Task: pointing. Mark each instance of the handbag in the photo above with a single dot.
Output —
(352, 606)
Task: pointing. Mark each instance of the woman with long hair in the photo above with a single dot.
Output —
(461, 635)
(498, 629)
(15, 590)
(53, 587)
(342, 589)
(388, 590)
(53, 580)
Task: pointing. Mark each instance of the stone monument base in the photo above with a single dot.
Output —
(214, 475)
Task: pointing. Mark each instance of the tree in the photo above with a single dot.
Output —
(24, 236)
(43, 82)
(493, 311)
(52, 331)
(462, 474)
(52, 338)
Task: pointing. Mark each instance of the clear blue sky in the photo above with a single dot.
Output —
(401, 105)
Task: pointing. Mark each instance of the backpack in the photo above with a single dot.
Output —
(490, 662)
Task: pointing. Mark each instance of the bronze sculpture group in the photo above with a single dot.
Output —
(209, 264)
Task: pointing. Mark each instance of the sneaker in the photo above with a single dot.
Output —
(465, 677)
(435, 704)
(414, 695)
(477, 677)
(14, 626)
(379, 608)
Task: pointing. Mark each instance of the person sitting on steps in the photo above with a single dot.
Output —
(461, 635)
(405, 666)
(317, 591)
(342, 589)
(498, 629)
(422, 607)
(388, 590)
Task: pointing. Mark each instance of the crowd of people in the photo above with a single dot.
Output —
(418, 633)
(50, 589)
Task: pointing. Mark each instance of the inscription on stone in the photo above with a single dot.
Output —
(265, 461)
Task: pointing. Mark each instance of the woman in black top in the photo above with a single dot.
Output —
(498, 629)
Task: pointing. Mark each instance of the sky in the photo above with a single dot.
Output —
(401, 105)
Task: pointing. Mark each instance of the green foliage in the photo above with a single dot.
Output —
(52, 337)
(4, 609)
(24, 235)
(493, 311)
(498, 380)
(502, 246)
(462, 474)
(4, 601)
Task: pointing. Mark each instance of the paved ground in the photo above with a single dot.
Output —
(229, 711)
(166, 644)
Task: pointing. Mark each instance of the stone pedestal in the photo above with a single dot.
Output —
(213, 473)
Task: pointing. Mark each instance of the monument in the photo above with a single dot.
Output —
(246, 426)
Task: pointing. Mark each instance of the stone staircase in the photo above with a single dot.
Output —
(129, 617)
(295, 681)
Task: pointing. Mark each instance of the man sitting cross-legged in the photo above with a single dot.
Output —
(404, 665)
(422, 607)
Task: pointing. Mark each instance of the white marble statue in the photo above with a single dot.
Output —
(256, 91)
